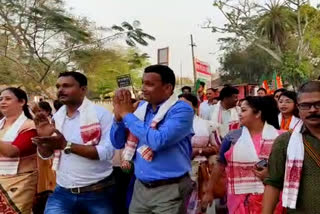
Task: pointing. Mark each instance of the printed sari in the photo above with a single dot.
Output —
(18, 177)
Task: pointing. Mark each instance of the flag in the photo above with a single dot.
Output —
(265, 85)
(197, 85)
(276, 81)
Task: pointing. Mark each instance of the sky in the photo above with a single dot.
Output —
(171, 22)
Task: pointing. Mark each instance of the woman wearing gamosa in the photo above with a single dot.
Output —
(18, 160)
(244, 154)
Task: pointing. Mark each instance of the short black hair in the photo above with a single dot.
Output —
(290, 94)
(166, 73)
(309, 87)
(79, 77)
(262, 89)
(186, 88)
(268, 108)
(45, 106)
(191, 98)
(228, 91)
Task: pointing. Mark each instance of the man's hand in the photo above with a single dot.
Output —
(116, 104)
(122, 103)
(125, 165)
(43, 126)
(57, 142)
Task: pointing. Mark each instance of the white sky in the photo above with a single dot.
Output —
(170, 21)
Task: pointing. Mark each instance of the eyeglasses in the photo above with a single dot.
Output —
(307, 106)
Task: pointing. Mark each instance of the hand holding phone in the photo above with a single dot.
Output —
(262, 164)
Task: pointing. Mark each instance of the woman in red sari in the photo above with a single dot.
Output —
(18, 160)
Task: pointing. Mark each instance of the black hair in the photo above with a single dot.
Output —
(190, 97)
(293, 96)
(228, 91)
(57, 104)
(45, 106)
(262, 89)
(166, 73)
(212, 89)
(279, 90)
(22, 96)
(186, 88)
(79, 77)
(309, 87)
(268, 108)
(202, 84)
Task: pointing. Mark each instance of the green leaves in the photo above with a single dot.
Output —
(276, 23)
(103, 66)
(287, 32)
(40, 38)
(133, 33)
(246, 66)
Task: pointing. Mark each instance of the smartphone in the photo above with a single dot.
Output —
(262, 164)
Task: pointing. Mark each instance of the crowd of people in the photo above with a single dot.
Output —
(192, 154)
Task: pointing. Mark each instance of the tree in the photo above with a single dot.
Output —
(39, 36)
(284, 31)
(276, 23)
(241, 26)
(246, 66)
(102, 66)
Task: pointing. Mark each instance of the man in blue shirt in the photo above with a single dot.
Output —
(163, 184)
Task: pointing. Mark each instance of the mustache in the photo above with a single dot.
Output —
(313, 116)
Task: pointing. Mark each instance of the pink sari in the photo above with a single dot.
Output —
(246, 203)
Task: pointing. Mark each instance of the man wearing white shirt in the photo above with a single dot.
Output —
(82, 151)
(225, 113)
(206, 107)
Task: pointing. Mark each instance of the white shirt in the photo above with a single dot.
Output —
(205, 110)
(226, 116)
(77, 171)
(226, 119)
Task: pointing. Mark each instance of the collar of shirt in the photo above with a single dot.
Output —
(306, 131)
(149, 107)
(210, 104)
(76, 113)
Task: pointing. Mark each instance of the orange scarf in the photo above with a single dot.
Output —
(285, 124)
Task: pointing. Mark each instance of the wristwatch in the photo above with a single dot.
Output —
(67, 149)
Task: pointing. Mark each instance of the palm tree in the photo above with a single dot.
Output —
(276, 22)
(134, 34)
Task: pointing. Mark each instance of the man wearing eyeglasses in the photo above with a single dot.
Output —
(294, 164)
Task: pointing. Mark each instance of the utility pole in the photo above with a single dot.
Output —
(193, 61)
